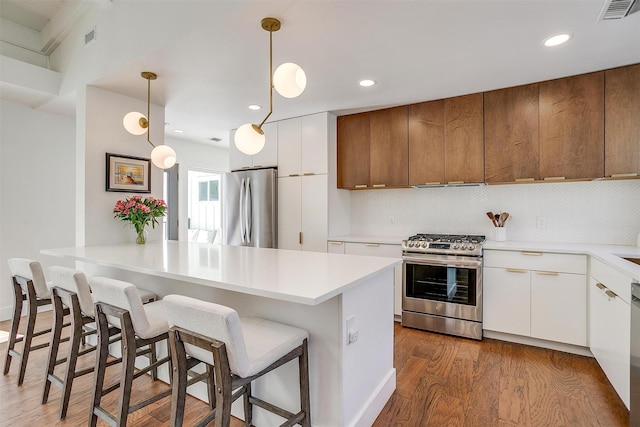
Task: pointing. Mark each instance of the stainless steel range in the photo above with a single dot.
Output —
(442, 284)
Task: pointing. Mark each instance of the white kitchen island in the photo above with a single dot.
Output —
(320, 292)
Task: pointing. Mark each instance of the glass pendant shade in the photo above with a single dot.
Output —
(289, 80)
(163, 156)
(131, 123)
(249, 139)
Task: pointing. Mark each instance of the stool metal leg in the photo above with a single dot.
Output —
(179, 380)
(15, 323)
(58, 320)
(305, 403)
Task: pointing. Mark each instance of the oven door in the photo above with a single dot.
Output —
(443, 285)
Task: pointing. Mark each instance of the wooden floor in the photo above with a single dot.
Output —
(441, 381)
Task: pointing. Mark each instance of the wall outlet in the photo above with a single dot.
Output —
(352, 332)
(541, 222)
(391, 220)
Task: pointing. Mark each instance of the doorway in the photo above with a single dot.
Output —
(203, 206)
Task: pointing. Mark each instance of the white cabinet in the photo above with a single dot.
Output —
(303, 213)
(559, 307)
(541, 295)
(267, 157)
(506, 303)
(375, 249)
(302, 145)
(609, 325)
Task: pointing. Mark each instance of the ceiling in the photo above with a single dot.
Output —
(415, 50)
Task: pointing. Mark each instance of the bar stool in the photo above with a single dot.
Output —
(70, 291)
(29, 285)
(240, 350)
(118, 303)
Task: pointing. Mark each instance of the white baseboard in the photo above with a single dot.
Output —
(376, 401)
(567, 348)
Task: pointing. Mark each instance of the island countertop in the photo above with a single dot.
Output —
(294, 276)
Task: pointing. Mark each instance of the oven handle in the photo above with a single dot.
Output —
(443, 262)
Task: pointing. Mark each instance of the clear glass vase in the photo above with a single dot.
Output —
(141, 238)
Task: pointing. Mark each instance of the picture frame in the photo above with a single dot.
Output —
(128, 173)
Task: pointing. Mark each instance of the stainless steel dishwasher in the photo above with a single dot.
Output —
(635, 355)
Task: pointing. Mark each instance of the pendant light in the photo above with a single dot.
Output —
(289, 80)
(137, 123)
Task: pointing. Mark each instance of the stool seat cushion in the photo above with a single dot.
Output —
(252, 343)
(149, 320)
(32, 270)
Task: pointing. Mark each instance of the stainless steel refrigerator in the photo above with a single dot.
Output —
(250, 208)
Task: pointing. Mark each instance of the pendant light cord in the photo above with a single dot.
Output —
(270, 77)
(149, 111)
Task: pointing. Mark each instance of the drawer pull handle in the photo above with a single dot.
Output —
(360, 186)
(455, 182)
(309, 173)
(547, 273)
(372, 245)
(257, 166)
(335, 243)
(624, 175)
(554, 178)
(610, 293)
(294, 174)
(516, 270)
(601, 286)
(379, 185)
(432, 183)
(525, 179)
(532, 253)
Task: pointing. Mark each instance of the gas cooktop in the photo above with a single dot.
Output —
(448, 244)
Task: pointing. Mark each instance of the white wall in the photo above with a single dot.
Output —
(37, 188)
(605, 212)
(104, 133)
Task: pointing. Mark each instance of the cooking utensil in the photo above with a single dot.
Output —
(492, 218)
(505, 217)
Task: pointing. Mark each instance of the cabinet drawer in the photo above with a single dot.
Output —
(335, 247)
(373, 249)
(535, 260)
(612, 279)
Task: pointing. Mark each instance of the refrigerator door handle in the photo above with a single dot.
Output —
(241, 212)
(248, 210)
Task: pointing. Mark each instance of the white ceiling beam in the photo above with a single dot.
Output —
(61, 24)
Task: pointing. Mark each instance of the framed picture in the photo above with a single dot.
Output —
(128, 174)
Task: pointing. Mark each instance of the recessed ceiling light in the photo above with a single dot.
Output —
(367, 82)
(178, 131)
(255, 107)
(556, 40)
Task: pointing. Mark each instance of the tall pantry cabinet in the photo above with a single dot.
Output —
(307, 183)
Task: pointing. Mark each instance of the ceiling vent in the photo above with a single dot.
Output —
(214, 139)
(618, 9)
(90, 37)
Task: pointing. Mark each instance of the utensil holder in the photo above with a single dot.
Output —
(500, 234)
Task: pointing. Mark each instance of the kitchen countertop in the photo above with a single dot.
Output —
(294, 276)
(609, 254)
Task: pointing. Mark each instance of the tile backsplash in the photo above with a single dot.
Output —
(605, 212)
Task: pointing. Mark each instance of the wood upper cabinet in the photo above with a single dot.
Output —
(511, 137)
(389, 147)
(426, 143)
(572, 127)
(622, 121)
(353, 150)
(463, 135)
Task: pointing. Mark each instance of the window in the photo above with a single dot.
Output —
(208, 191)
